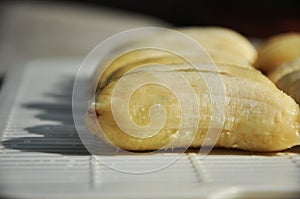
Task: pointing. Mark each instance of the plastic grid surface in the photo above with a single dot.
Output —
(41, 155)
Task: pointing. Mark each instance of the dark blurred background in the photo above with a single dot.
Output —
(39, 29)
(252, 18)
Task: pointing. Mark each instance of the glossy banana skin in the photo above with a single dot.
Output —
(258, 116)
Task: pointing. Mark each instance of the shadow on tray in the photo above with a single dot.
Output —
(59, 138)
(63, 138)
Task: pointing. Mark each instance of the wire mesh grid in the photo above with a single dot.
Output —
(41, 154)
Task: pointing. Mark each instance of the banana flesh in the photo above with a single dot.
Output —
(279, 57)
(223, 45)
(257, 115)
(287, 78)
(277, 51)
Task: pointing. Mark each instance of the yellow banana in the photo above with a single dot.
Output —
(223, 45)
(278, 50)
(287, 78)
(257, 115)
(279, 57)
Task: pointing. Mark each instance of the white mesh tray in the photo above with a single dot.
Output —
(41, 155)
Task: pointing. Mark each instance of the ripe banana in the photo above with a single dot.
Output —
(257, 115)
(223, 45)
(279, 57)
(278, 50)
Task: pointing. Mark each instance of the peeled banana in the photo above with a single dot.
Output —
(223, 45)
(278, 50)
(279, 57)
(287, 78)
(152, 116)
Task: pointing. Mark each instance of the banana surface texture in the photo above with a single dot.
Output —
(257, 116)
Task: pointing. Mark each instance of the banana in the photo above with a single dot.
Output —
(287, 78)
(258, 116)
(279, 57)
(223, 45)
(179, 111)
(278, 50)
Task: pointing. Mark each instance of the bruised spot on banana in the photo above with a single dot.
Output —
(258, 116)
